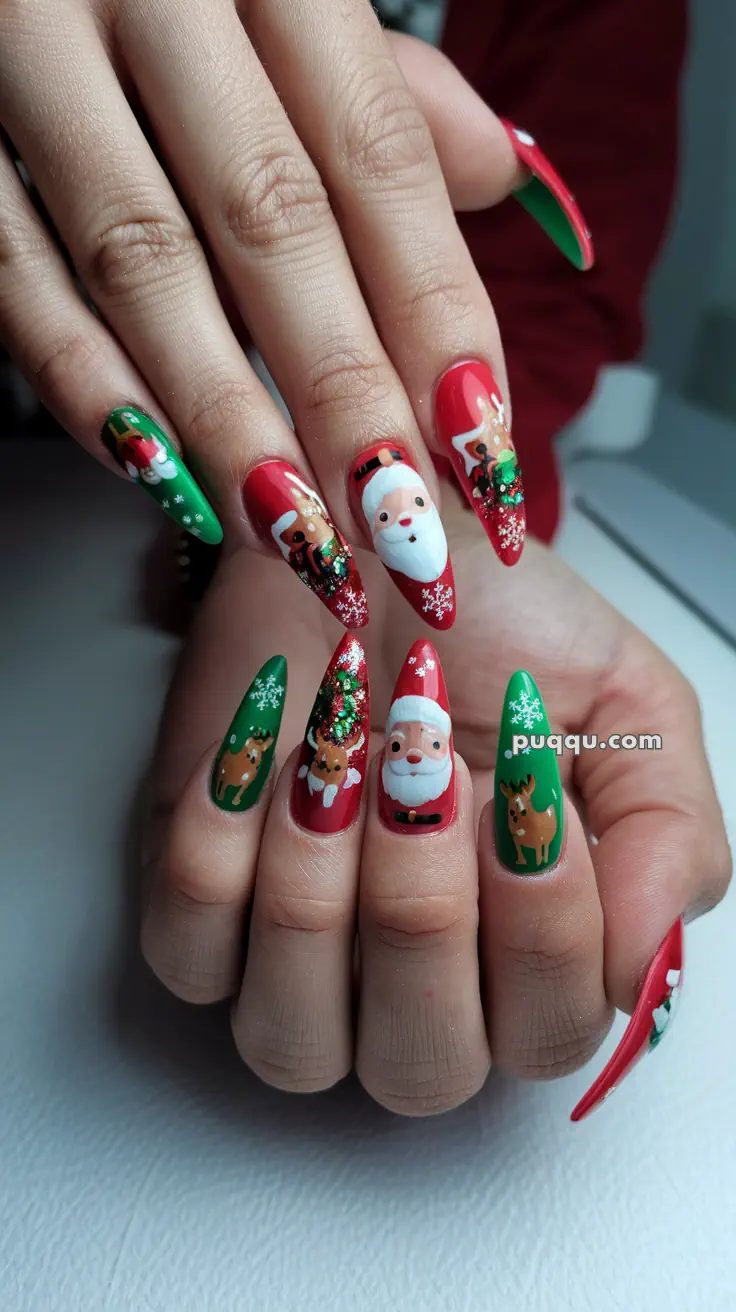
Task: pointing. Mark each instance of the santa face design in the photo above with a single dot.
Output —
(417, 765)
(160, 466)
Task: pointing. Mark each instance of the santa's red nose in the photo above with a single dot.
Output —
(405, 522)
(413, 757)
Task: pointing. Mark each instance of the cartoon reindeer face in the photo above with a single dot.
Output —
(311, 525)
(330, 769)
(528, 827)
(494, 436)
(239, 769)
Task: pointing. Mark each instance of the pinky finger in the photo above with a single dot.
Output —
(77, 367)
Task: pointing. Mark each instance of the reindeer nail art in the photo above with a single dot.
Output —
(244, 759)
(651, 1020)
(550, 202)
(470, 417)
(291, 515)
(406, 529)
(529, 813)
(330, 773)
(144, 451)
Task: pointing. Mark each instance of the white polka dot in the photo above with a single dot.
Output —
(524, 138)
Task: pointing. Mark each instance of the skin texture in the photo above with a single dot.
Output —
(559, 949)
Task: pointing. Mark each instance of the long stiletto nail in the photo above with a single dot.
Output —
(528, 808)
(471, 423)
(144, 451)
(550, 202)
(330, 772)
(242, 764)
(291, 515)
(406, 529)
(416, 784)
(651, 1018)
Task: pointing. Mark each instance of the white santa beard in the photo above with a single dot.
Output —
(423, 560)
(414, 790)
(460, 441)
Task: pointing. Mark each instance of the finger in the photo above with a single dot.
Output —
(268, 221)
(421, 1039)
(70, 357)
(293, 1023)
(138, 256)
(193, 923)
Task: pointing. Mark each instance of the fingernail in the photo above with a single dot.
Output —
(242, 764)
(405, 525)
(471, 423)
(550, 202)
(528, 808)
(330, 772)
(291, 515)
(416, 784)
(651, 1019)
(143, 449)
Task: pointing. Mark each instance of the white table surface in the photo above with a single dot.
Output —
(142, 1168)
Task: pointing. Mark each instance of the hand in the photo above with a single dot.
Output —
(557, 952)
(176, 149)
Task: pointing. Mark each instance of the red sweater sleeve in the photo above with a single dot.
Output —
(596, 83)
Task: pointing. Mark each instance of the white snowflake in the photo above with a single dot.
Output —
(267, 694)
(166, 503)
(352, 609)
(511, 532)
(429, 664)
(186, 519)
(178, 498)
(438, 600)
(526, 711)
(199, 519)
(352, 657)
(412, 660)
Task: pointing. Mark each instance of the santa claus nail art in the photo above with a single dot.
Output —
(244, 759)
(471, 423)
(292, 516)
(550, 202)
(406, 529)
(144, 451)
(330, 773)
(651, 1019)
(416, 784)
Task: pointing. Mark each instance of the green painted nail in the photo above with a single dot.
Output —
(529, 810)
(244, 759)
(144, 451)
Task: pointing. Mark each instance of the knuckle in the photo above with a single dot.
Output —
(305, 915)
(189, 982)
(384, 133)
(276, 201)
(140, 253)
(555, 1043)
(67, 366)
(290, 1048)
(421, 925)
(547, 965)
(219, 408)
(343, 380)
(195, 885)
(439, 297)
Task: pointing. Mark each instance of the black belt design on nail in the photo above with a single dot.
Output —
(374, 463)
(411, 818)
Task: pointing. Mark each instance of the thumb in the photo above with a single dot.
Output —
(484, 159)
(474, 149)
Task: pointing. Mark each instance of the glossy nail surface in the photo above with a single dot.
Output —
(389, 494)
(291, 516)
(528, 804)
(330, 772)
(550, 202)
(242, 764)
(144, 451)
(470, 418)
(416, 784)
(651, 1019)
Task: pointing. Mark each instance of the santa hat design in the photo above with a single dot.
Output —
(282, 523)
(387, 478)
(420, 694)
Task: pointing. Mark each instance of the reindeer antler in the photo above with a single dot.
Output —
(311, 738)
(355, 746)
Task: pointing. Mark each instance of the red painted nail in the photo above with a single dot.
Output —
(416, 785)
(407, 532)
(292, 516)
(550, 202)
(330, 772)
(471, 423)
(651, 1018)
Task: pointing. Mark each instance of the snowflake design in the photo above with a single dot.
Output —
(429, 664)
(438, 600)
(178, 498)
(412, 660)
(352, 608)
(352, 658)
(199, 519)
(267, 693)
(166, 503)
(526, 711)
(511, 532)
(186, 519)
